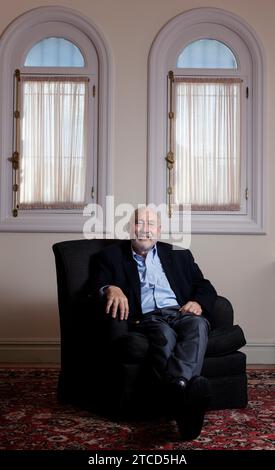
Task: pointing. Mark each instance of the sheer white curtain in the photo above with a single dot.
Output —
(207, 143)
(53, 151)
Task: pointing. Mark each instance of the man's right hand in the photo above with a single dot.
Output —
(116, 300)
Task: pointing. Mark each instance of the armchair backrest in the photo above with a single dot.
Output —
(73, 262)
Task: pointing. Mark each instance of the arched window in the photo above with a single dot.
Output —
(205, 139)
(59, 116)
(206, 54)
(54, 52)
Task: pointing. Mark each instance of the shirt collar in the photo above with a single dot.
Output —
(152, 251)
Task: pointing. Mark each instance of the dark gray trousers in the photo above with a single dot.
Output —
(175, 342)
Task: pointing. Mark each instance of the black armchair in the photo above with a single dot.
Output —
(84, 363)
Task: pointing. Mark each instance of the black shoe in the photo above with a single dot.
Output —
(176, 394)
(190, 417)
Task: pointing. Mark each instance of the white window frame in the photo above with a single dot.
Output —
(232, 31)
(17, 40)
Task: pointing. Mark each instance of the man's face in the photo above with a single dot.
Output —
(146, 230)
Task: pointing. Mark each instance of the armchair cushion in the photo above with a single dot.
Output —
(225, 340)
(224, 366)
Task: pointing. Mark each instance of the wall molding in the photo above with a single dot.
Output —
(47, 350)
(30, 350)
(260, 352)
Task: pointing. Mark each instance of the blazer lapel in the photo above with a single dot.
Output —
(165, 256)
(131, 271)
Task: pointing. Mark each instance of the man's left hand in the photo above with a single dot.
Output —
(192, 307)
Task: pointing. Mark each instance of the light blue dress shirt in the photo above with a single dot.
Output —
(155, 288)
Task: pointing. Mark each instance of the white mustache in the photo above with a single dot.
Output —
(145, 235)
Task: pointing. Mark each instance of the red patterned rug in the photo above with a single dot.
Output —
(32, 419)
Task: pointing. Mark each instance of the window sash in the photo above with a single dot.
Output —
(207, 143)
(53, 143)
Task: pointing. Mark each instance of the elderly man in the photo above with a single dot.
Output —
(153, 292)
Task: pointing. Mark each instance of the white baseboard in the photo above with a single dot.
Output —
(48, 350)
(260, 352)
(38, 350)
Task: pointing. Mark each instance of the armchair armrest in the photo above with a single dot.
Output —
(223, 314)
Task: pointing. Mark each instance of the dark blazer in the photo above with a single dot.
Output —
(114, 265)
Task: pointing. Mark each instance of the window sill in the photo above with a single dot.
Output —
(43, 223)
(227, 224)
